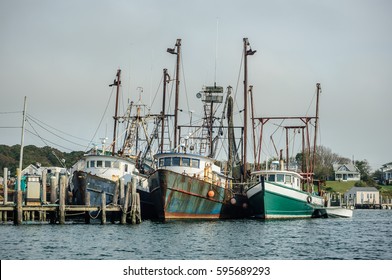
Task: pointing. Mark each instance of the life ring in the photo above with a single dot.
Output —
(309, 199)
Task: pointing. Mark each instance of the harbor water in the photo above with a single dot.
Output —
(366, 236)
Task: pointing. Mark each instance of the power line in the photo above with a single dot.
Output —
(12, 112)
(46, 141)
(51, 132)
(56, 129)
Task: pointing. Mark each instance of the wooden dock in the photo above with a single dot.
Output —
(22, 211)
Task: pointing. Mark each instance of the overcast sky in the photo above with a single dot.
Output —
(63, 55)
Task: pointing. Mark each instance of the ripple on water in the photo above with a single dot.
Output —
(324, 239)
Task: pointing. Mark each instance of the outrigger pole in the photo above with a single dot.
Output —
(316, 125)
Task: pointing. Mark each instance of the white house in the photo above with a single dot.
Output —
(33, 169)
(362, 196)
(386, 171)
(346, 172)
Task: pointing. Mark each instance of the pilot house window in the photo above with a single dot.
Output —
(186, 161)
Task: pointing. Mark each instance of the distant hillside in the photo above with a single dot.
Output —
(46, 156)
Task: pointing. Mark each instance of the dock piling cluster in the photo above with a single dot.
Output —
(16, 206)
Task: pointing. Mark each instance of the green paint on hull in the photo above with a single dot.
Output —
(286, 207)
(270, 205)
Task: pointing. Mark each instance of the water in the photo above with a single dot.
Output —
(365, 236)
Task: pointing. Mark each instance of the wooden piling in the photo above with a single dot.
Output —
(18, 218)
(103, 208)
(63, 181)
(87, 203)
(53, 189)
(116, 193)
(44, 176)
(5, 185)
(126, 204)
(121, 190)
(135, 203)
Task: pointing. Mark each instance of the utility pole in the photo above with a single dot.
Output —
(19, 175)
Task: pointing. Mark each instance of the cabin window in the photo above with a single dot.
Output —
(176, 161)
(195, 163)
(161, 162)
(88, 165)
(186, 161)
(279, 177)
(167, 161)
(287, 179)
(92, 163)
(126, 168)
(116, 164)
(108, 164)
(99, 163)
(271, 177)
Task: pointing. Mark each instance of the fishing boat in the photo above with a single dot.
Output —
(283, 193)
(108, 170)
(189, 181)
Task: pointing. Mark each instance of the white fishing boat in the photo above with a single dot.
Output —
(100, 170)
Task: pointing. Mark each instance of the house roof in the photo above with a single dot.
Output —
(347, 167)
(363, 189)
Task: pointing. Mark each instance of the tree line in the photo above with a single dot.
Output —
(45, 156)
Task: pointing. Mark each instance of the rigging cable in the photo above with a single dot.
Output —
(238, 81)
(100, 122)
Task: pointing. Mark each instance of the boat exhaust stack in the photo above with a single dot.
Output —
(281, 161)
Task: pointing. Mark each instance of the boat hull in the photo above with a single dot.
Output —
(84, 182)
(339, 212)
(273, 201)
(179, 196)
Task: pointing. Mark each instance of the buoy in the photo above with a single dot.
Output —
(245, 205)
(211, 193)
(309, 199)
(233, 201)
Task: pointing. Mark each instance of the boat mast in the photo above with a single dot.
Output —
(172, 51)
(166, 79)
(246, 53)
(116, 83)
(316, 126)
(19, 175)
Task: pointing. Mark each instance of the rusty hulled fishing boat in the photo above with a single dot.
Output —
(192, 180)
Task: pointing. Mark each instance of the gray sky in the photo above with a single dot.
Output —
(63, 54)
